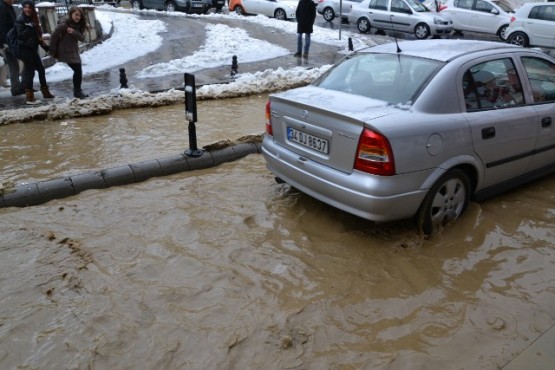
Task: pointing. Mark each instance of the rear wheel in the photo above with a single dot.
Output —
(445, 202)
(239, 10)
(280, 15)
(422, 31)
(502, 31)
(363, 25)
(519, 38)
(136, 4)
(170, 6)
(328, 14)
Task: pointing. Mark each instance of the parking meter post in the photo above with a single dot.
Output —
(191, 115)
(123, 79)
(234, 65)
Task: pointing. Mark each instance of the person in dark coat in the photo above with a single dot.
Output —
(306, 15)
(7, 21)
(64, 45)
(29, 35)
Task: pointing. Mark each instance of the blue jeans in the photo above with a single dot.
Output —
(300, 42)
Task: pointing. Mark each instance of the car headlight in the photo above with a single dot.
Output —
(438, 21)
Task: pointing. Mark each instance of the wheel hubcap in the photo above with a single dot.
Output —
(448, 202)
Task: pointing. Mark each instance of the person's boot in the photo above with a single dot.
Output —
(297, 54)
(30, 97)
(46, 92)
(305, 55)
(79, 94)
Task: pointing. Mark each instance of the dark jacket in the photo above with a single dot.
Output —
(7, 20)
(64, 46)
(28, 36)
(306, 15)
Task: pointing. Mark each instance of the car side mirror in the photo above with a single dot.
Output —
(494, 11)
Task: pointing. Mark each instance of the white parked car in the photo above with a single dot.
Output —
(330, 9)
(533, 25)
(485, 16)
(408, 16)
(278, 9)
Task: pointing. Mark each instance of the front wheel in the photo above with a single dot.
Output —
(280, 15)
(328, 14)
(519, 38)
(502, 32)
(170, 6)
(445, 202)
(422, 31)
(363, 25)
(239, 10)
(136, 4)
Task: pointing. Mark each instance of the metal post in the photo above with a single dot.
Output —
(234, 65)
(191, 115)
(123, 79)
(351, 44)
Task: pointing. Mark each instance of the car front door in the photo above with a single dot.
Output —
(541, 77)
(379, 14)
(504, 128)
(402, 18)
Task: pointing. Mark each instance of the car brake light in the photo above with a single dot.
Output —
(268, 120)
(374, 154)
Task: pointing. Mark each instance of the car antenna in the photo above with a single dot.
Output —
(394, 34)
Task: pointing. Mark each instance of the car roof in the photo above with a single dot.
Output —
(441, 50)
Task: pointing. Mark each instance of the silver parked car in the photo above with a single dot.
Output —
(416, 130)
(533, 25)
(408, 16)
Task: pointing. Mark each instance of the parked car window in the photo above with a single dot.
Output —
(540, 73)
(492, 85)
(378, 4)
(482, 6)
(546, 13)
(399, 6)
(392, 78)
(463, 4)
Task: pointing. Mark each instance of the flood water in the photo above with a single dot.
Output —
(223, 268)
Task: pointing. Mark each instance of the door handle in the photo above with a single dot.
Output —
(546, 121)
(488, 133)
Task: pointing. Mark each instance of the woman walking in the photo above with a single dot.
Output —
(64, 45)
(29, 35)
(306, 14)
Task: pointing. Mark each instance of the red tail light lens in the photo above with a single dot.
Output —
(513, 18)
(269, 120)
(374, 154)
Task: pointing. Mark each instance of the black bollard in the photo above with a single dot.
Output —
(122, 79)
(234, 66)
(350, 44)
(191, 115)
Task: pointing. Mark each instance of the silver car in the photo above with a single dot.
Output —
(333, 8)
(416, 130)
(408, 16)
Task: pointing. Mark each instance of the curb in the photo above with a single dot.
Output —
(31, 194)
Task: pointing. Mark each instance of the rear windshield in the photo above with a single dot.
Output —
(396, 79)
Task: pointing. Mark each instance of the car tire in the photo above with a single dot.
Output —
(328, 14)
(280, 15)
(502, 31)
(363, 25)
(445, 202)
(422, 31)
(239, 10)
(519, 38)
(170, 6)
(137, 4)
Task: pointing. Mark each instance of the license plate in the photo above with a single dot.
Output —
(197, 5)
(307, 140)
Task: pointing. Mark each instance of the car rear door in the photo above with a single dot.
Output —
(504, 129)
(462, 13)
(541, 25)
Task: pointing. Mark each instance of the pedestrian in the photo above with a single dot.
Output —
(64, 45)
(306, 15)
(7, 21)
(29, 36)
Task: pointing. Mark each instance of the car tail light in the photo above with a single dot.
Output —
(269, 120)
(512, 19)
(374, 154)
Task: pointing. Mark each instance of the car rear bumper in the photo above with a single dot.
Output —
(367, 196)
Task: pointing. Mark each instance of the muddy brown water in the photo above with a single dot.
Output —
(225, 269)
